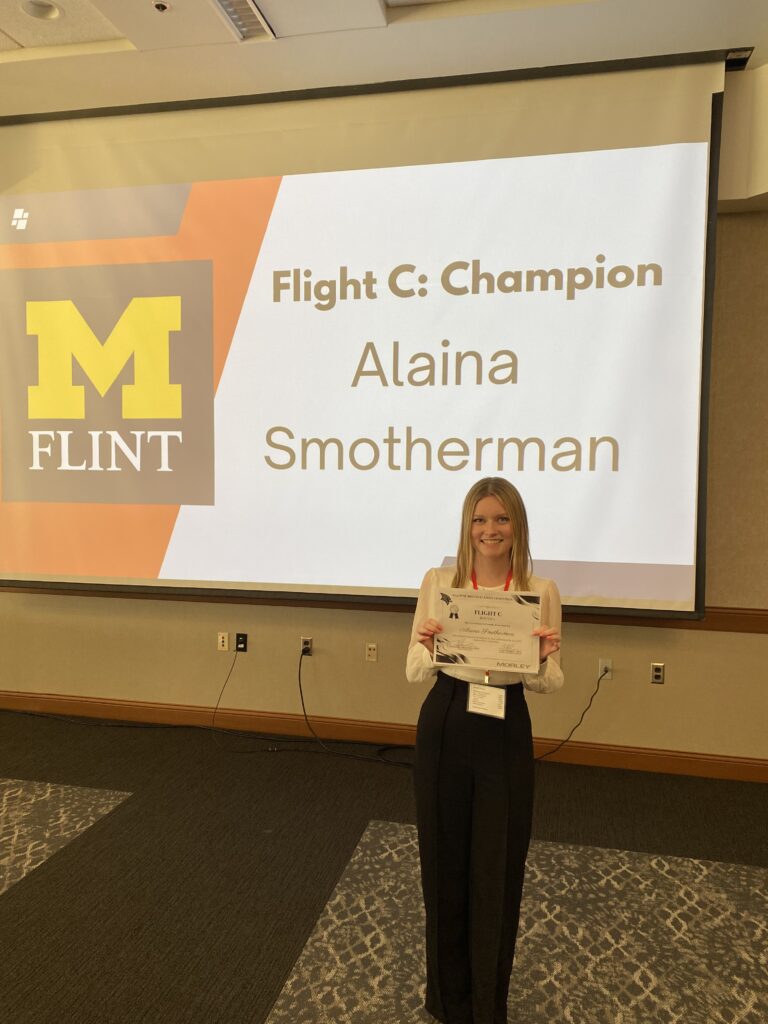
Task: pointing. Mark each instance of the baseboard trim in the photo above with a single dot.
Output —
(599, 755)
(269, 722)
(648, 759)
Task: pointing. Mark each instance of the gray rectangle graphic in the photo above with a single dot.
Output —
(89, 214)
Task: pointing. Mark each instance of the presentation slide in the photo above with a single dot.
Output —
(290, 382)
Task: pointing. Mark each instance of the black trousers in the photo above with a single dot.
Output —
(474, 799)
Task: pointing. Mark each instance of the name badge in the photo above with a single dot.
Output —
(486, 700)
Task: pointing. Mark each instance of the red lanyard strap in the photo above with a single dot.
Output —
(506, 585)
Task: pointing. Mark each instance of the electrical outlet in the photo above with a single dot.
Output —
(657, 671)
(222, 641)
(306, 646)
(241, 642)
(605, 665)
(372, 652)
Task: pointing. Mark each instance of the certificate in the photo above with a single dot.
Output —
(489, 630)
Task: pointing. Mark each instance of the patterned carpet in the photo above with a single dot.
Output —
(39, 818)
(607, 937)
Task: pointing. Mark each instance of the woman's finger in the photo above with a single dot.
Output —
(547, 633)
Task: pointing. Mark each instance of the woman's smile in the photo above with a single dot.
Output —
(492, 533)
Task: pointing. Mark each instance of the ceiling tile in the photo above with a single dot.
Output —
(78, 22)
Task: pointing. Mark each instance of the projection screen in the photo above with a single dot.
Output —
(270, 347)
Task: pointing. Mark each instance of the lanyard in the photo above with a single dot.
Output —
(506, 585)
(487, 674)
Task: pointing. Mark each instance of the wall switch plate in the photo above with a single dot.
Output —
(222, 641)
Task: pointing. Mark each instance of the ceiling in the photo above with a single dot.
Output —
(111, 53)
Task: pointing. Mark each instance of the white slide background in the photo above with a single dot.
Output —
(619, 362)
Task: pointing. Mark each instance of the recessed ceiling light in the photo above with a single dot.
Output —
(40, 9)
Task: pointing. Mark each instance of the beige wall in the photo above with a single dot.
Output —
(744, 150)
(163, 651)
(549, 115)
(715, 699)
(737, 527)
(512, 118)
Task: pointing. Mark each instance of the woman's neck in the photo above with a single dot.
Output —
(491, 572)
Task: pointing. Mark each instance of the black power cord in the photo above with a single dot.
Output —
(276, 746)
(562, 743)
(378, 758)
(221, 691)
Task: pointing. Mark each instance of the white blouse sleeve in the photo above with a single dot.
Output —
(550, 676)
(418, 666)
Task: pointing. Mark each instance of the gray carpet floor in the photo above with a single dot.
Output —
(606, 937)
(39, 818)
(192, 900)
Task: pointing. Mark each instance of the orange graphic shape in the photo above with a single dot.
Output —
(224, 222)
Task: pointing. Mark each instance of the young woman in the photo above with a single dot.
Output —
(474, 773)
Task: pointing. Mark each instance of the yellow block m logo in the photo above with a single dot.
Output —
(142, 332)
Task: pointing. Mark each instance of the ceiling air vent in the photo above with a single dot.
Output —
(246, 19)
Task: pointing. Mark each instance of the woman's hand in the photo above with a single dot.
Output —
(426, 630)
(549, 642)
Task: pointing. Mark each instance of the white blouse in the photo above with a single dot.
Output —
(419, 667)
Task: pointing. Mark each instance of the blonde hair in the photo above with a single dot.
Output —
(520, 556)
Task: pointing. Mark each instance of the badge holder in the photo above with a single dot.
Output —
(484, 699)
